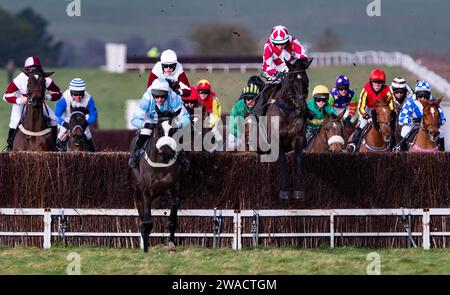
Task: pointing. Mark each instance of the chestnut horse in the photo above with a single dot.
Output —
(33, 131)
(330, 137)
(377, 137)
(426, 139)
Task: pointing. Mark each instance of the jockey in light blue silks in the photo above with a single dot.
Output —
(75, 97)
(158, 95)
(412, 112)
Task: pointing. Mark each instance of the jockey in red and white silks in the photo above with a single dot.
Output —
(170, 69)
(17, 89)
(280, 46)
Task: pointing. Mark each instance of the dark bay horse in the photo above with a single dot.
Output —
(377, 137)
(330, 137)
(426, 139)
(33, 132)
(77, 126)
(158, 175)
(289, 104)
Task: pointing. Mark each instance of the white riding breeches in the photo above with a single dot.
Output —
(16, 114)
(62, 132)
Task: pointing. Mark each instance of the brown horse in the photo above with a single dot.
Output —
(330, 137)
(289, 105)
(426, 139)
(33, 132)
(77, 126)
(377, 137)
(158, 175)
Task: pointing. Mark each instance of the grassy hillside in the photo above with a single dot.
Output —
(110, 91)
(196, 260)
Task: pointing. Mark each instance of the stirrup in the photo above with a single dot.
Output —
(351, 147)
(7, 148)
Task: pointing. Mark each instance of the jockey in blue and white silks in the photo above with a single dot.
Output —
(75, 97)
(412, 111)
(160, 95)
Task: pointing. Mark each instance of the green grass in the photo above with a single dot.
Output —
(110, 91)
(196, 260)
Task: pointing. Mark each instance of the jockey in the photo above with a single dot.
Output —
(158, 95)
(75, 97)
(192, 102)
(344, 98)
(243, 108)
(318, 106)
(15, 94)
(170, 69)
(280, 46)
(400, 90)
(211, 102)
(374, 90)
(412, 111)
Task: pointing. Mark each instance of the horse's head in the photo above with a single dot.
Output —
(296, 83)
(430, 120)
(78, 122)
(36, 87)
(162, 134)
(383, 118)
(332, 126)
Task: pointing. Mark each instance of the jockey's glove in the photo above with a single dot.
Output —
(178, 91)
(48, 97)
(21, 100)
(66, 125)
(278, 75)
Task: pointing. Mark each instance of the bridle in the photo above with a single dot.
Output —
(292, 97)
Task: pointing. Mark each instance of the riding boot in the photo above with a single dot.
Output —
(134, 158)
(90, 145)
(9, 141)
(441, 144)
(354, 144)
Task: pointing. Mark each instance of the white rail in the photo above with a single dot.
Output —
(327, 59)
(237, 235)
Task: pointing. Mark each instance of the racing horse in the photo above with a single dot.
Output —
(426, 139)
(33, 131)
(330, 137)
(158, 175)
(288, 103)
(77, 126)
(377, 135)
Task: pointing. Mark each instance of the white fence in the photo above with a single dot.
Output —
(237, 235)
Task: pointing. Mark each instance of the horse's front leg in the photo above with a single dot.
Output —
(284, 185)
(147, 223)
(173, 222)
(299, 192)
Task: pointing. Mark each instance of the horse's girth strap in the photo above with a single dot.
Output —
(32, 133)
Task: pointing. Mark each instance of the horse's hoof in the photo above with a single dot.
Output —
(299, 195)
(284, 195)
(171, 248)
